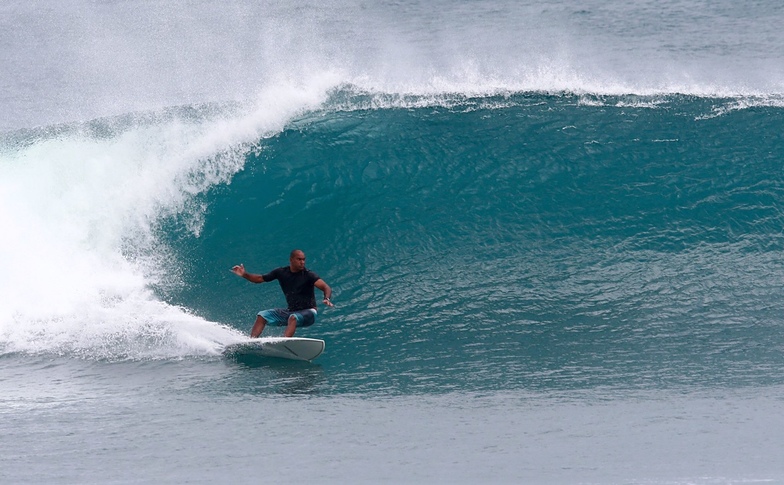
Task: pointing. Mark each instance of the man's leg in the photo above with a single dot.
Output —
(258, 326)
(291, 327)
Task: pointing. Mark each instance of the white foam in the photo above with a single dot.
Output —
(79, 211)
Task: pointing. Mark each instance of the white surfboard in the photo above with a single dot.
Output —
(295, 348)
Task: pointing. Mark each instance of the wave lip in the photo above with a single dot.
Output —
(349, 97)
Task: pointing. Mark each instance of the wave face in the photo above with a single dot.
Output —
(476, 243)
(588, 197)
(518, 241)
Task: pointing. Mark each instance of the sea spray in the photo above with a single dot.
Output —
(81, 210)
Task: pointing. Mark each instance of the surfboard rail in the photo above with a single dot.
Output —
(292, 348)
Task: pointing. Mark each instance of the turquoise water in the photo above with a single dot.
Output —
(641, 251)
(553, 234)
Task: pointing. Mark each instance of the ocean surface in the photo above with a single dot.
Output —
(553, 231)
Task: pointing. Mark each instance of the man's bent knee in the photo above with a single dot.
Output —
(292, 327)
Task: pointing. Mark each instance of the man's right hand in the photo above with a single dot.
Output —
(239, 270)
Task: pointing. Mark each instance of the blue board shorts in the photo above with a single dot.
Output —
(280, 316)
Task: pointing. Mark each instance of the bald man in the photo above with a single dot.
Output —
(297, 283)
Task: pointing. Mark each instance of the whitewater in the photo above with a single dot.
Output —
(553, 232)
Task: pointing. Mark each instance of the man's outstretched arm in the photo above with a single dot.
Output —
(239, 270)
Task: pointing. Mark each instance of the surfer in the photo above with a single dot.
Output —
(297, 284)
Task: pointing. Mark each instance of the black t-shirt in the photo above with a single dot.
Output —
(298, 287)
